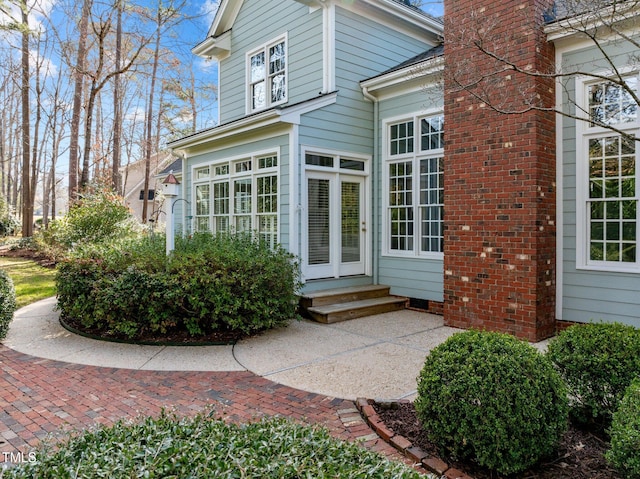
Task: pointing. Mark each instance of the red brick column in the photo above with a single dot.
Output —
(499, 240)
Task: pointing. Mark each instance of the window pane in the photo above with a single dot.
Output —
(242, 196)
(257, 67)
(432, 133)
(401, 138)
(318, 160)
(400, 206)
(221, 198)
(276, 58)
(611, 103)
(612, 209)
(268, 162)
(258, 96)
(278, 88)
(318, 221)
(346, 164)
(268, 194)
(202, 200)
(202, 173)
(431, 202)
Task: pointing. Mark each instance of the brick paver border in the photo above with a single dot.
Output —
(42, 397)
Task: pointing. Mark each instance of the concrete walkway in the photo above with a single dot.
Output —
(374, 357)
(53, 380)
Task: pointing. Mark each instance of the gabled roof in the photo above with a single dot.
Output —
(218, 41)
(421, 57)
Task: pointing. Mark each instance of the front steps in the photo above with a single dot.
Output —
(341, 304)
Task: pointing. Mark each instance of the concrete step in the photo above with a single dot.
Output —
(333, 313)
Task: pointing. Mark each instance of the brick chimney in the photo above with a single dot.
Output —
(500, 233)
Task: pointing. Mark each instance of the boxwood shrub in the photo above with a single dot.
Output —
(203, 448)
(210, 282)
(624, 453)
(491, 398)
(7, 303)
(598, 362)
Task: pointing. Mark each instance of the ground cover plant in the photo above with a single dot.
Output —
(201, 447)
(32, 282)
(7, 303)
(598, 361)
(209, 283)
(624, 453)
(493, 399)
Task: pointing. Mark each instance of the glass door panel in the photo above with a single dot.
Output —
(319, 226)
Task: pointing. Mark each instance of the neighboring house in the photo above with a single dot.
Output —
(133, 185)
(331, 142)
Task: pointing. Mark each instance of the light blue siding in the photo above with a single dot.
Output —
(414, 277)
(259, 22)
(589, 295)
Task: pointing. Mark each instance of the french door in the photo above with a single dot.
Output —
(335, 225)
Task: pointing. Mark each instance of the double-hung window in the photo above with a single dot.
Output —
(608, 193)
(415, 186)
(267, 75)
(239, 196)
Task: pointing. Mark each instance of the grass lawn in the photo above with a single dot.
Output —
(32, 281)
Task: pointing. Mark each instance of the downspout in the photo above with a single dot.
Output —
(375, 250)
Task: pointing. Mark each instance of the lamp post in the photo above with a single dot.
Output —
(171, 190)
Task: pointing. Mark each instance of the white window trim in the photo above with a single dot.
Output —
(265, 48)
(415, 158)
(254, 174)
(585, 132)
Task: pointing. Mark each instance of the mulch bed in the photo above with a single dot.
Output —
(580, 454)
(170, 338)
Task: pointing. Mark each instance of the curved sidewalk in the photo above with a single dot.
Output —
(374, 357)
(53, 380)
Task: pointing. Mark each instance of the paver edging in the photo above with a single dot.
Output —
(430, 463)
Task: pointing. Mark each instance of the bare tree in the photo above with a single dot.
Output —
(78, 75)
(608, 25)
(27, 203)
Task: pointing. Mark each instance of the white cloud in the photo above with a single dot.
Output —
(48, 69)
(206, 66)
(38, 10)
(208, 10)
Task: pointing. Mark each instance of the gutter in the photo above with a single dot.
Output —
(375, 251)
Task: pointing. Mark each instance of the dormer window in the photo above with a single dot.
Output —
(267, 73)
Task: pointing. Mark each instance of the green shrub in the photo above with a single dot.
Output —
(7, 303)
(222, 282)
(491, 398)
(624, 453)
(99, 216)
(598, 362)
(203, 448)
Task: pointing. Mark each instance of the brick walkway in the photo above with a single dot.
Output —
(41, 396)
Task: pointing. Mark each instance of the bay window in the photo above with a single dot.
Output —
(240, 196)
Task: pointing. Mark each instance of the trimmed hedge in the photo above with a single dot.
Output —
(491, 398)
(7, 303)
(624, 453)
(598, 361)
(203, 448)
(209, 283)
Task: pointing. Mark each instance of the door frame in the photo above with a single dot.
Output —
(336, 175)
